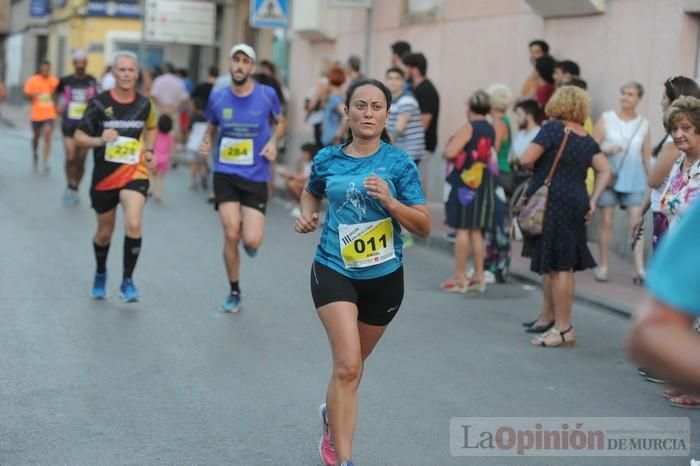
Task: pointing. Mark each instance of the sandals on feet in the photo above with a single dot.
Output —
(553, 338)
(671, 393)
(685, 401)
(453, 286)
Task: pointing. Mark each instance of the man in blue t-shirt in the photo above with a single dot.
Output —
(250, 122)
(662, 338)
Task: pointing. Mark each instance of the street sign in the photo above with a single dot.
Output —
(38, 8)
(180, 21)
(352, 3)
(123, 9)
(269, 13)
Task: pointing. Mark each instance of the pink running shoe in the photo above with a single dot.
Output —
(325, 447)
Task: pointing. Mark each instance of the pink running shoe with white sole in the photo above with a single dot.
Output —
(325, 447)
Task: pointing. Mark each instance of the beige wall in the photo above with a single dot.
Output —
(479, 42)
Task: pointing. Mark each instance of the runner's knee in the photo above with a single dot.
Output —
(348, 370)
(132, 227)
(232, 235)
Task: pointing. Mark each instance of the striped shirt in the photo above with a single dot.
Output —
(412, 141)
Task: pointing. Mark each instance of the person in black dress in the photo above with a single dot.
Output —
(562, 247)
(471, 203)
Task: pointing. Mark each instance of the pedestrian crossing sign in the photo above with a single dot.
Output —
(269, 13)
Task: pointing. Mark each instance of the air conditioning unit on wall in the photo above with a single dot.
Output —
(555, 8)
(313, 20)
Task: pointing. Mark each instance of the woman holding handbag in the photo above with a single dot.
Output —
(470, 204)
(561, 249)
(624, 137)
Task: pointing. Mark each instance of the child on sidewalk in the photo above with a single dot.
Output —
(163, 151)
(197, 128)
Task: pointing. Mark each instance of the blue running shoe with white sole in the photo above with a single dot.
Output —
(232, 303)
(128, 292)
(99, 286)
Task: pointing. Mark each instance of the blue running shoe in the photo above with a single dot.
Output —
(346, 463)
(99, 290)
(128, 292)
(250, 251)
(75, 198)
(67, 198)
(232, 303)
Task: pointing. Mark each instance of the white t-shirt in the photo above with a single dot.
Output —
(522, 140)
(630, 135)
(656, 193)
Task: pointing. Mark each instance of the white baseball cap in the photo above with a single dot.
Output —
(245, 48)
(78, 54)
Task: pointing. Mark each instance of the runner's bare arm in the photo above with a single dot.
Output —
(269, 151)
(90, 142)
(415, 218)
(205, 144)
(308, 220)
(653, 328)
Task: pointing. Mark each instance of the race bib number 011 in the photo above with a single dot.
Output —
(236, 151)
(366, 244)
(76, 110)
(124, 150)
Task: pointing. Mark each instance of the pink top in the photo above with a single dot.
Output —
(161, 151)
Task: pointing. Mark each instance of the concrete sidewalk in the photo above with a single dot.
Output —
(619, 294)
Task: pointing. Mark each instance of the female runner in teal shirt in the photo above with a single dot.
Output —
(373, 190)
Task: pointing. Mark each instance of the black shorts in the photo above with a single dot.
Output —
(104, 201)
(68, 128)
(233, 188)
(377, 300)
(37, 125)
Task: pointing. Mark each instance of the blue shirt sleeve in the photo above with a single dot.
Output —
(409, 190)
(317, 179)
(673, 275)
(210, 113)
(275, 106)
(549, 135)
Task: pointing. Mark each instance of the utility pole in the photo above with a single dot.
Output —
(142, 44)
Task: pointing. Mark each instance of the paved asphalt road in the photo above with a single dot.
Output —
(173, 381)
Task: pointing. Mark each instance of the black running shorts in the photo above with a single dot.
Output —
(68, 128)
(104, 201)
(377, 300)
(233, 188)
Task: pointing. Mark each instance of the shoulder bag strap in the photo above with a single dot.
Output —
(567, 131)
(629, 144)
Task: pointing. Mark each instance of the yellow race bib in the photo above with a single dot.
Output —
(76, 110)
(124, 150)
(366, 244)
(236, 151)
(45, 100)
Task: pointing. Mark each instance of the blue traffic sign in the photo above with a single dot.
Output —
(269, 13)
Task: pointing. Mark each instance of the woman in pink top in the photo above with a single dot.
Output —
(163, 149)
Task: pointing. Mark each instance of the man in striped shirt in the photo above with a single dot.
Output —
(405, 122)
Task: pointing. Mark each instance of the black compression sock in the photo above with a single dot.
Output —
(132, 248)
(101, 256)
(234, 288)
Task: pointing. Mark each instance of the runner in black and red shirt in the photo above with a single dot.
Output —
(120, 126)
(74, 92)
